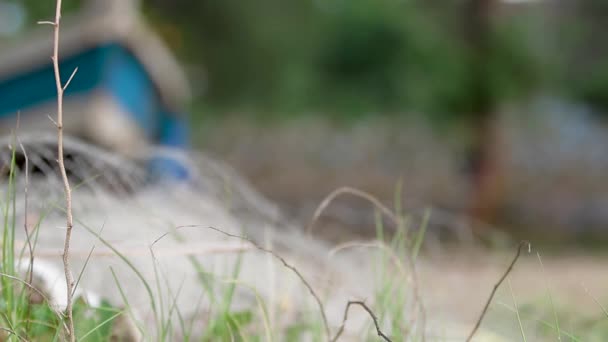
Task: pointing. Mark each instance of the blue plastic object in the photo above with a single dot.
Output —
(113, 69)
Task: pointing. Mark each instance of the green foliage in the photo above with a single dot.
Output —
(32, 320)
(396, 288)
(382, 56)
(44, 321)
(593, 88)
(582, 57)
(368, 56)
(230, 326)
(94, 324)
(45, 10)
(345, 57)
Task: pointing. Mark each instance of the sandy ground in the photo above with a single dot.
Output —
(456, 286)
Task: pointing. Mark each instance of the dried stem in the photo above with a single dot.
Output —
(276, 256)
(397, 262)
(30, 268)
(69, 279)
(26, 226)
(496, 286)
(28, 285)
(355, 192)
(186, 250)
(369, 311)
(396, 220)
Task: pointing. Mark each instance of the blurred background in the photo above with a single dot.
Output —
(490, 112)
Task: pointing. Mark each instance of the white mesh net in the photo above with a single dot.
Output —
(95, 171)
(113, 199)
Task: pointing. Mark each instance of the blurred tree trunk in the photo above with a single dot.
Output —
(483, 149)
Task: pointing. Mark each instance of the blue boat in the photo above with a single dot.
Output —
(128, 95)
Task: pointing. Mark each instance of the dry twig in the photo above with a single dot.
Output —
(28, 285)
(355, 192)
(397, 221)
(276, 256)
(26, 227)
(496, 286)
(397, 262)
(30, 268)
(69, 279)
(369, 311)
(184, 250)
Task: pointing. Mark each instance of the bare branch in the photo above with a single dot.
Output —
(30, 268)
(69, 278)
(371, 314)
(195, 249)
(29, 285)
(397, 262)
(70, 79)
(522, 244)
(26, 204)
(25, 219)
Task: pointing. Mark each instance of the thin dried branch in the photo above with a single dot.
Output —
(69, 278)
(26, 225)
(276, 256)
(371, 314)
(28, 285)
(397, 221)
(30, 248)
(195, 249)
(355, 192)
(67, 84)
(522, 244)
(397, 262)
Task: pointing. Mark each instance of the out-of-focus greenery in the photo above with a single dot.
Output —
(45, 10)
(584, 64)
(346, 57)
(354, 57)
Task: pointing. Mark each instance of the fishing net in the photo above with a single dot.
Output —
(175, 229)
(101, 173)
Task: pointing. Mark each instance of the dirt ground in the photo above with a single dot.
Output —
(457, 284)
